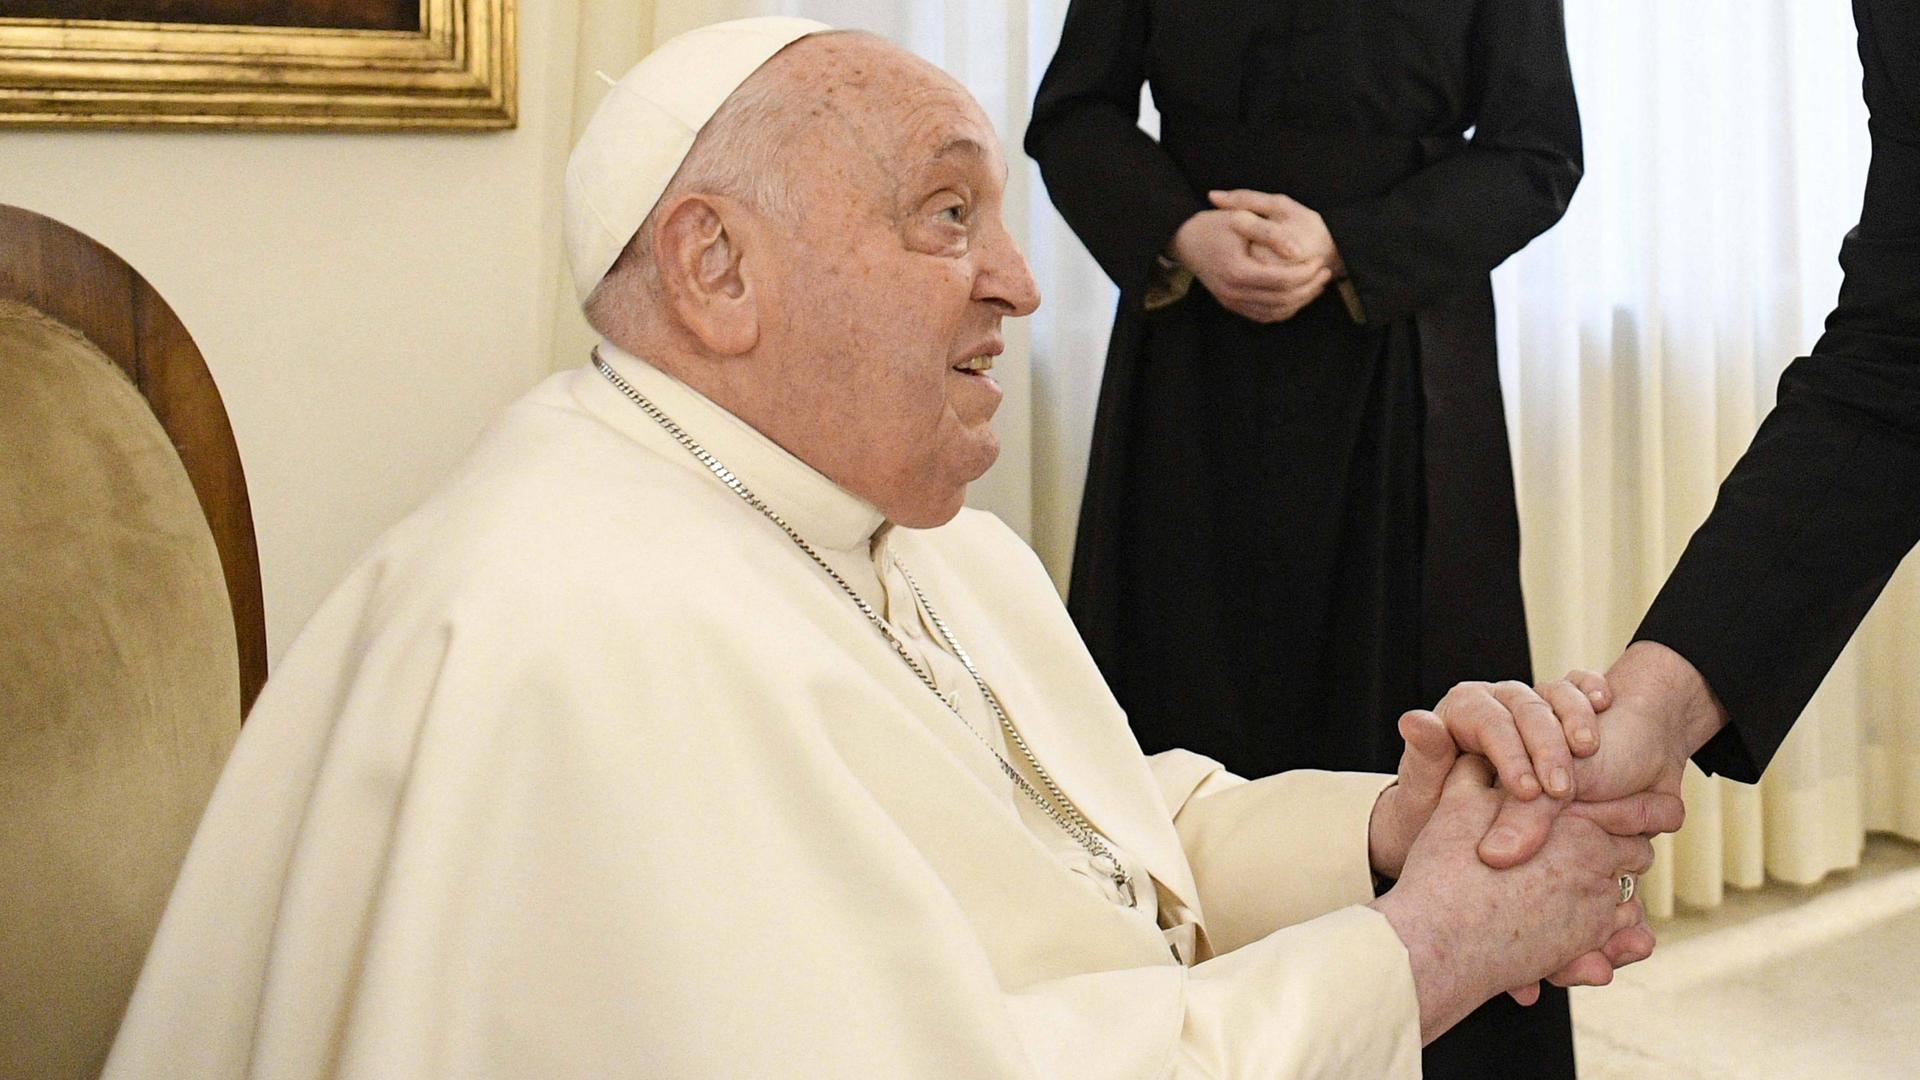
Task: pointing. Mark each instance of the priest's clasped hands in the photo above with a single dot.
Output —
(1503, 880)
(1262, 256)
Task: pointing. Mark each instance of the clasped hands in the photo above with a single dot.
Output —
(1507, 831)
(1262, 256)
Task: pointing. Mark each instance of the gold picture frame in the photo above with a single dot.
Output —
(456, 69)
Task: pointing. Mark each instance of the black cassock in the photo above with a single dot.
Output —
(1292, 533)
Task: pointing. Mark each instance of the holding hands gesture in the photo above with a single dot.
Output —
(1545, 891)
(1471, 930)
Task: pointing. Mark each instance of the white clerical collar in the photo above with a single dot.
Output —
(825, 513)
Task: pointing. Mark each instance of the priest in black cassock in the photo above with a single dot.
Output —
(1299, 516)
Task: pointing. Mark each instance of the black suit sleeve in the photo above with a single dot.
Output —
(1120, 191)
(1819, 512)
(1457, 219)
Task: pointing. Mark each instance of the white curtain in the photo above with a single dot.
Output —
(1641, 341)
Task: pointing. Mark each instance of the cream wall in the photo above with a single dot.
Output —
(365, 301)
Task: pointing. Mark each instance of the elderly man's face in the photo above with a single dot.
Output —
(889, 303)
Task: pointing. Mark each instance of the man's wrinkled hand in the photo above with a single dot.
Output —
(1643, 814)
(1529, 732)
(1403, 809)
(1471, 930)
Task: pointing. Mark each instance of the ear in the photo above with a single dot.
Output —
(699, 246)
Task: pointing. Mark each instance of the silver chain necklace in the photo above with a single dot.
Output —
(1059, 808)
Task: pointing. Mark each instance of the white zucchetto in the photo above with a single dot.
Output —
(644, 127)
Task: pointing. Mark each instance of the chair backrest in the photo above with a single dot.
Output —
(131, 635)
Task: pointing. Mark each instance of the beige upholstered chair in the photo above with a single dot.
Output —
(130, 631)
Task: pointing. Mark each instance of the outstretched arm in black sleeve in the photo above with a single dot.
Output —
(1819, 512)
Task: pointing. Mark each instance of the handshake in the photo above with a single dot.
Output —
(1518, 823)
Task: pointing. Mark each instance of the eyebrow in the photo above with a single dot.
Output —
(962, 147)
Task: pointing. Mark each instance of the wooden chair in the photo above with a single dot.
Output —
(131, 631)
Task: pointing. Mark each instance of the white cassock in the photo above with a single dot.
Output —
(588, 771)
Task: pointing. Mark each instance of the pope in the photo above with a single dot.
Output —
(693, 728)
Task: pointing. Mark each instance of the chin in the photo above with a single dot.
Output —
(938, 494)
(930, 514)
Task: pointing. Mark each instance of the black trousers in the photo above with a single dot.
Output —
(1503, 1041)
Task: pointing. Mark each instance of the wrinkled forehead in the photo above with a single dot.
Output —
(898, 110)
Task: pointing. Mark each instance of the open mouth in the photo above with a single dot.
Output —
(976, 365)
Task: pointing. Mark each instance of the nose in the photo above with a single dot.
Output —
(1005, 279)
